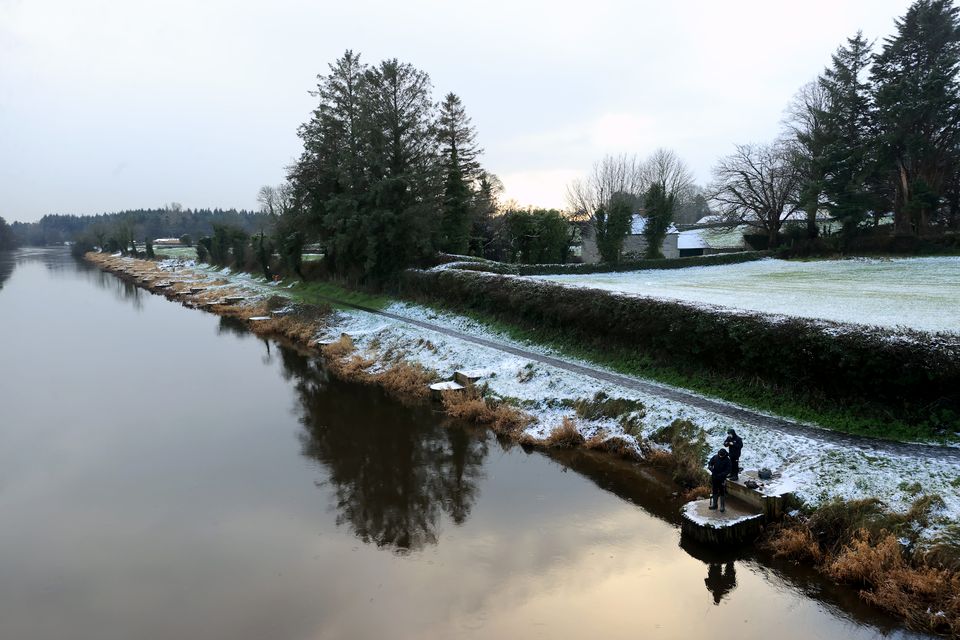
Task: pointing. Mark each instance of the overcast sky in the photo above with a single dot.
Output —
(109, 105)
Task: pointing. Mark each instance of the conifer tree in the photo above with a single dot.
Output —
(918, 110)
(458, 161)
(848, 152)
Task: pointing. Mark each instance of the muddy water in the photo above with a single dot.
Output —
(164, 474)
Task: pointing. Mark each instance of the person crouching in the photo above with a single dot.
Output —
(719, 467)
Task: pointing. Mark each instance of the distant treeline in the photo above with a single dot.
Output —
(172, 221)
(7, 240)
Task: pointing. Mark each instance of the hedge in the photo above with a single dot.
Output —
(604, 267)
(910, 373)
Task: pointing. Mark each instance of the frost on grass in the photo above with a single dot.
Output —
(919, 293)
(816, 472)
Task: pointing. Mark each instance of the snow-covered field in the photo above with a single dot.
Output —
(920, 293)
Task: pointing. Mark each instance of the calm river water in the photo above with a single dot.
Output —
(164, 474)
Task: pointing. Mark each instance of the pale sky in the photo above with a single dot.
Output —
(108, 105)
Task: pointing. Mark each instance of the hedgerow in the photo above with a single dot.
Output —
(910, 374)
(603, 267)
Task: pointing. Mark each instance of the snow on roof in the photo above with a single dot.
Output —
(691, 240)
(639, 223)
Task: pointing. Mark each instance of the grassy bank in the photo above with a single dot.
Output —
(855, 418)
(885, 383)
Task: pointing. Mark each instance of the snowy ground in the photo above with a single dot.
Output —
(920, 293)
(814, 470)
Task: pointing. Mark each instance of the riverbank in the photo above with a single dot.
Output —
(541, 404)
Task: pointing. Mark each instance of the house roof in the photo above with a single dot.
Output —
(639, 223)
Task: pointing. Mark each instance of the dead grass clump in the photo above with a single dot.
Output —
(795, 543)
(470, 406)
(865, 561)
(337, 350)
(616, 445)
(836, 522)
(688, 444)
(352, 369)
(660, 458)
(407, 380)
(565, 436)
(696, 493)
(925, 597)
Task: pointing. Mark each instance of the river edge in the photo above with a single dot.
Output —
(358, 349)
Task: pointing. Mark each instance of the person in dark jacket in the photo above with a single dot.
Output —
(719, 467)
(734, 444)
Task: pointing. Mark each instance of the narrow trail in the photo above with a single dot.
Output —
(753, 418)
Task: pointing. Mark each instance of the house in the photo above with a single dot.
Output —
(634, 243)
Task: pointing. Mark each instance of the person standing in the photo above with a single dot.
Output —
(734, 444)
(719, 467)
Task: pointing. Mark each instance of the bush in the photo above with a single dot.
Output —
(909, 374)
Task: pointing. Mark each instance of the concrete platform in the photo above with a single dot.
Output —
(739, 524)
(770, 503)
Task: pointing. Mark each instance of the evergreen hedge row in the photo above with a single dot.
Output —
(916, 375)
(575, 268)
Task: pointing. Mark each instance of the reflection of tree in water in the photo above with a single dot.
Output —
(721, 579)
(394, 469)
(7, 264)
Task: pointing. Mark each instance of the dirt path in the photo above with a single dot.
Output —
(753, 418)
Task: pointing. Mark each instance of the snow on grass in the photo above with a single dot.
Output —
(920, 293)
(815, 471)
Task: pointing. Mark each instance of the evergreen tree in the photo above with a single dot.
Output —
(918, 110)
(458, 161)
(807, 140)
(848, 151)
(611, 226)
(659, 207)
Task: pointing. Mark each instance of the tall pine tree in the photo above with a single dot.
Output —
(918, 110)
(848, 153)
(459, 162)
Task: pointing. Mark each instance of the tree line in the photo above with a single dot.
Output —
(7, 239)
(170, 221)
(875, 137)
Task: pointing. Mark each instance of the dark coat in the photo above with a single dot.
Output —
(720, 467)
(734, 444)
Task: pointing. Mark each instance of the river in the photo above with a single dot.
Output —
(165, 474)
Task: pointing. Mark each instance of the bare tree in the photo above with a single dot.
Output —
(664, 167)
(613, 175)
(806, 137)
(276, 201)
(758, 186)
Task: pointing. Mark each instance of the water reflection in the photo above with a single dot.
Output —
(721, 579)
(7, 265)
(394, 472)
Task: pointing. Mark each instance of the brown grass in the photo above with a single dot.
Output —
(407, 381)
(795, 543)
(926, 598)
(565, 436)
(337, 350)
(469, 405)
(615, 445)
(696, 493)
